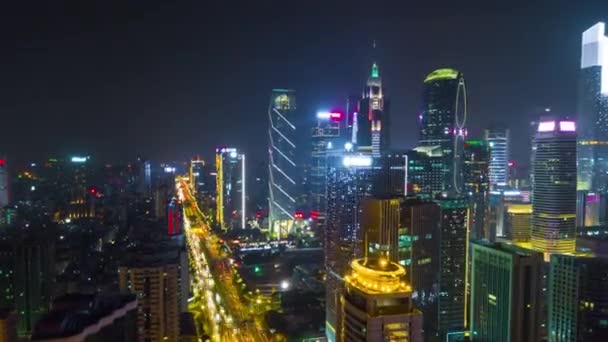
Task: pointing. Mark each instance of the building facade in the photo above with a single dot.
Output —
(592, 144)
(554, 187)
(282, 171)
(231, 190)
(442, 123)
(376, 304)
(372, 125)
(476, 185)
(498, 141)
(506, 292)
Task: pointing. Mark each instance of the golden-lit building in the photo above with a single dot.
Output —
(519, 220)
(376, 304)
(380, 227)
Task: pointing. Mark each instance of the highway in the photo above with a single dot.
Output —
(217, 305)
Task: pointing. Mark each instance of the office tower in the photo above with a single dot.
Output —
(577, 301)
(499, 201)
(554, 188)
(425, 173)
(442, 123)
(592, 144)
(352, 108)
(282, 165)
(380, 225)
(144, 177)
(349, 180)
(498, 140)
(27, 265)
(372, 120)
(420, 225)
(325, 141)
(453, 255)
(4, 183)
(519, 221)
(8, 325)
(86, 317)
(476, 185)
(154, 277)
(506, 292)
(174, 217)
(391, 174)
(231, 190)
(376, 304)
(197, 175)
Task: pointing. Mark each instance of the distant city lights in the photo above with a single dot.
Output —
(546, 126)
(357, 161)
(78, 159)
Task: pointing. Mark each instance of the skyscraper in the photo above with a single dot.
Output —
(592, 144)
(231, 194)
(325, 141)
(577, 302)
(442, 123)
(376, 304)
(372, 120)
(197, 175)
(506, 293)
(476, 185)
(380, 227)
(282, 157)
(453, 261)
(498, 140)
(519, 221)
(554, 187)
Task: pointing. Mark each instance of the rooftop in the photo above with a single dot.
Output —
(442, 74)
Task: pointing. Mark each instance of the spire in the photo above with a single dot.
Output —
(375, 71)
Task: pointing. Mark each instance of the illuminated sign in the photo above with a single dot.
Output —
(567, 126)
(546, 126)
(225, 150)
(357, 161)
(334, 116)
(169, 169)
(76, 159)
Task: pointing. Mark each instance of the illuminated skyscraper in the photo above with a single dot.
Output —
(231, 194)
(380, 227)
(498, 141)
(376, 304)
(592, 144)
(282, 157)
(425, 173)
(578, 301)
(453, 261)
(519, 221)
(325, 142)
(442, 123)
(372, 120)
(349, 180)
(506, 293)
(476, 185)
(554, 187)
(197, 175)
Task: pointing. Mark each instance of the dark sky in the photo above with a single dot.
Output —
(170, 79)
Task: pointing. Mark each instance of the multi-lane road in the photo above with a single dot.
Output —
(217, 304)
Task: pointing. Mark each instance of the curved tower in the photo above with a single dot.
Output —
(554, 187)
(282, 156)
(442, 123)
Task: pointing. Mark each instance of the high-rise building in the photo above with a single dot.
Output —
(154, 277)
(592, 144)
(425, 173)
(352, 110)
(197, 175)
(577, 302)
(506, 292)
(554, 187)
(350, 180)
(453, 261)
(174, 217)
(325, 142)
(519, 221)
(442, 123)
(476, 185)
(231, 190)
(282, 161)
(4, 183)
(376, 304)
(380, 225)
(419, 254)
(498, 140)
(372, 120)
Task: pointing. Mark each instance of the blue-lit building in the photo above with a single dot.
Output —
(442, 123)
(231, 188)
(282, 171)
(498, 141)
(592, 144)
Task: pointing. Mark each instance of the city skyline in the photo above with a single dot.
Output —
(153, 73)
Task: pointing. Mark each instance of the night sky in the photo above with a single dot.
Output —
(168, 81)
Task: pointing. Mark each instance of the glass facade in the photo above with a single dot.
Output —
(282, 156)
(498, 142)
(476, 185)
(442, 123)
